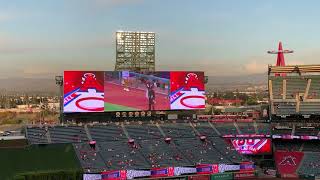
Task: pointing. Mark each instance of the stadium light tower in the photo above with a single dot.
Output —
(59, 82)
(135, 51)
(280, 56)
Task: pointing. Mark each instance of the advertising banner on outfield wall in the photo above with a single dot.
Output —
(222, 176)
(91, 176)
(199, 177)
(131, 174)
(112, 91)
(162, 172)
(244, 175)
(227, 167)
(247, 166)
(207, 168)
(114, 175)
(178, 171)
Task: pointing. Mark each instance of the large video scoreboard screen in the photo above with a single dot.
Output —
(252, 146)
(103, 91)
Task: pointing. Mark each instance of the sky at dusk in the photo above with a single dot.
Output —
(41, 38)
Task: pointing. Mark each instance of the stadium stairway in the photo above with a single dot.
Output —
(301, 148)
(48, 137)
(194, 129)
(237, 127)
(161, 131)
(214, 128)
(87, 132)
(255, 126)
(125, 131)
(293, 130)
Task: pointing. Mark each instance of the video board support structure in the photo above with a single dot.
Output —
(135, 51)
(59, 82)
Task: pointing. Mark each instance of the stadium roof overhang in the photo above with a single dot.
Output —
(294, 69)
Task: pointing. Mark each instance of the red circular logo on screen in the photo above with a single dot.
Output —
(193, 106)
(89, 108)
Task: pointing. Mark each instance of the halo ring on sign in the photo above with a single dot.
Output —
(192, 106)
(89, 108)
(87, 74)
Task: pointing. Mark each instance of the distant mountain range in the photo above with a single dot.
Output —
(32, 85)
(28, 85)
(241, 82)
(257, 79)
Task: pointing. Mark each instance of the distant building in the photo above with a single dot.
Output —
(224, 102)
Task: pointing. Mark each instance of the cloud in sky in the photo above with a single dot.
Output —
(90, 6)
(12, 45)
(289, 62)
(255, 67)
(218, 37)
(211, 67)
(5, 17)
(116, 2)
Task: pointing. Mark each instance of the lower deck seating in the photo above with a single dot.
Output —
(110, 132)
(306, 131)
(311, 146)
(200, 152)
(227, 150)
(246, 128)
(90, 159)
(204, 128)
(62, 134)
(119, 155)
(288, 145)
(37, 135)
(263, 128)
(282, 131)
(178, 130)
(114, 152)
(310, 164)
(144, 131)
(226, 128)
(162, 154)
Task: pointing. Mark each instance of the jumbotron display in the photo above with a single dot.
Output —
(252, 146)
(108, 91)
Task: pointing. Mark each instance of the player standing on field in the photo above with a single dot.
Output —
(150, 95)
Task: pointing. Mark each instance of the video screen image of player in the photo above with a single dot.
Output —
(131, 91)
(83, 91)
